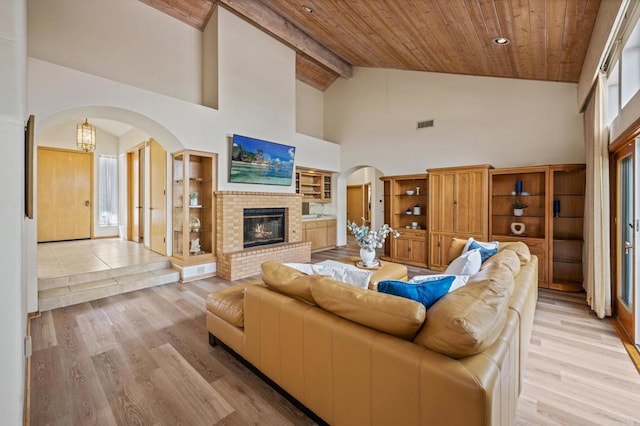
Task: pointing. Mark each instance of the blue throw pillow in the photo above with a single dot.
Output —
(485, 253)
(426, 292)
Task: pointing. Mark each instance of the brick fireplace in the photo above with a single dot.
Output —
(233, 260)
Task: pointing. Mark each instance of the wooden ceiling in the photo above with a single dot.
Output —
(549, 38)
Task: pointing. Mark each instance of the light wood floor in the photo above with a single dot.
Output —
(143, 358)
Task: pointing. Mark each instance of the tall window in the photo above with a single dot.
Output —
(623, 78)
(107, 190)
(631, 66)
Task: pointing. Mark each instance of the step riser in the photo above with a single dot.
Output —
(124, 284)
(51, 283)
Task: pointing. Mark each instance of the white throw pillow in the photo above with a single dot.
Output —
(458, 282)
(467, 263)
(490, 245)
(336, 270)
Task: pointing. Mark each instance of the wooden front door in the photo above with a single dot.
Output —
(64, 194)
(158, 197)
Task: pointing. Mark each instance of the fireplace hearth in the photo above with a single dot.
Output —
(264, 226)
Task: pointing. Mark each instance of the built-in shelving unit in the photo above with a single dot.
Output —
(405, 210)
(193, 207)
(314, 185)
(553, 220)
(567, 208)
(528, 185)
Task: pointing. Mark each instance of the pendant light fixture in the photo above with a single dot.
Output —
(86, 136)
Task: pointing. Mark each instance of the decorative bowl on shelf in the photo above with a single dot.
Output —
(410, 192)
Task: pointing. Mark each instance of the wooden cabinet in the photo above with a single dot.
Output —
(567, 211)
(321, 234)
(406, 210)
(410, 247)
(555, 238)
(193, 207)
(458, 207)
(314, 185)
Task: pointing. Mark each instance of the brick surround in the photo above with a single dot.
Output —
(234, 262)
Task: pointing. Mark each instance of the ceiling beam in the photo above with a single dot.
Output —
(269, 21)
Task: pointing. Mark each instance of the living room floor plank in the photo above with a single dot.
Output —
(144, 358)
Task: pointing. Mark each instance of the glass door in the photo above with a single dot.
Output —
(626, 229)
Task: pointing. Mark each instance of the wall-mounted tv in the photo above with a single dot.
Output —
(260, 162)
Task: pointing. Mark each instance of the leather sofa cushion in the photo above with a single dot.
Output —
(520, 248)
(507, 257)
(228, 303)
(470, 319)
(394, 315)
(287, 280)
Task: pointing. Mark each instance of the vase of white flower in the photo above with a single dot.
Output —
(368, 256)
(370, 240)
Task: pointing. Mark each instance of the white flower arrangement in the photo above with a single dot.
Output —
(369, 239)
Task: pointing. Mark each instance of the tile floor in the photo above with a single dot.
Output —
(64, 258)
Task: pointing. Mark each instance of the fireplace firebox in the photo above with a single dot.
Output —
(264, 226)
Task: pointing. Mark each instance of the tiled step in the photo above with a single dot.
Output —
(60, 296)
(71, 280)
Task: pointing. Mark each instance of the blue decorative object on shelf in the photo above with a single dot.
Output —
(518, 187)
(556, 208)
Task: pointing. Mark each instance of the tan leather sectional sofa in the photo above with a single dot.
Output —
(359, 357)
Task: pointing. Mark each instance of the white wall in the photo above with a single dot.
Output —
(13, 252)
(309, 110)
(210, 61)
(504, 122)
(63, 136)
(122, 40)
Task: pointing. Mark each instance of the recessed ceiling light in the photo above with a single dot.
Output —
(501, 41)
(307, 9)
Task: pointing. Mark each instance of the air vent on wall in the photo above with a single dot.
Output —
(423, 124)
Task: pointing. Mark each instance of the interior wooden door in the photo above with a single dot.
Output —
(158, 197)
(627, 225)
(356, 204)
(135, 200)
(64, 194)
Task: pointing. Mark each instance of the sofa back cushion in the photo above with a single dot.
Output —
(394, 315)
(287, 280)
(470, 319)
(519, 248)
(507, 257)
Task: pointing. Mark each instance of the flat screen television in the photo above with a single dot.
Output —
(260, 162)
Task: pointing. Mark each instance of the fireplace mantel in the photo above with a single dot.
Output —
(236, 262)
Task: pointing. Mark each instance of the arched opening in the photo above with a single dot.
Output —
(118, 133)
(359, 187)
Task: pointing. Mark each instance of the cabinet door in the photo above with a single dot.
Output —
(435, 251)
(331, 234)
(402, 248)
(419, 251)
(539, 249)
(318, 237)
(441, 202)
(470, 194)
